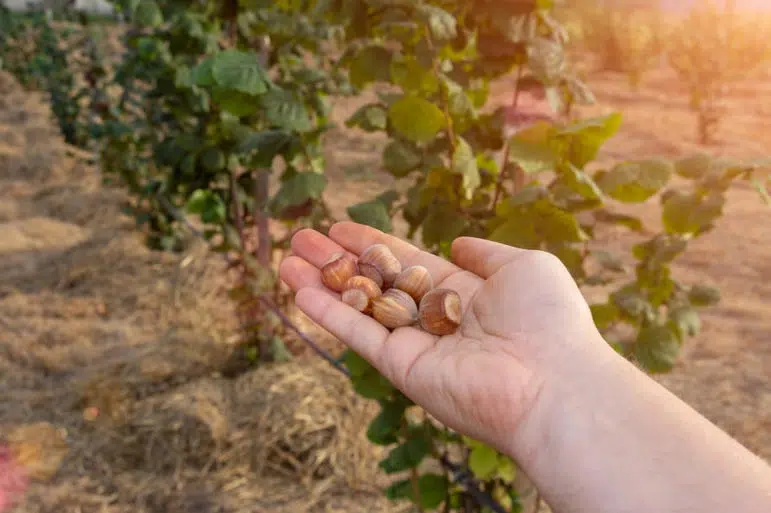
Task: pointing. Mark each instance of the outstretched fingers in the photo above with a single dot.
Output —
(358, 237)
(392, 354)
(362, 333)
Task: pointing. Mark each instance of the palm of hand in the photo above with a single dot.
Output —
(513, 303)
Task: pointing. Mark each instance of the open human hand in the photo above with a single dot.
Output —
(525, 324)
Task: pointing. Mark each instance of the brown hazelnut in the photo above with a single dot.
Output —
(364, 285)
(337, 271)
(370, 272)
(356, 298)
(441, 311)
(415, 281)
(380, 257)
(395, 309)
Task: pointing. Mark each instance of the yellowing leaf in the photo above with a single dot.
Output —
(371, 64)
(635, 181)
(416, 119)
(483, 461)
(465, 164)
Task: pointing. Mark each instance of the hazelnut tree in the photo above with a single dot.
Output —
(212, 98)
(711, 49)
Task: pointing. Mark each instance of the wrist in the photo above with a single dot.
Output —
(602, 436)
(568, 383)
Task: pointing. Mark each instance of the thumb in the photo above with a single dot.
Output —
(483, 257)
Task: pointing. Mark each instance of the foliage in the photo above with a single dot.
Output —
(710, 50)
(212, 100)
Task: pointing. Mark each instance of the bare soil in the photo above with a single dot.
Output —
(112, 356)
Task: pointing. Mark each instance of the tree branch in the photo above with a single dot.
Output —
(506, 144)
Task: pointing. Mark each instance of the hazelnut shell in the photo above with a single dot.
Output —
(395, 309)
(383, 260)
(441, 312)
(415, 281)
(336, 271)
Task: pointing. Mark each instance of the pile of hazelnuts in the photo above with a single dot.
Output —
(375, 284)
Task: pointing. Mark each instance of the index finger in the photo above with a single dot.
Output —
(357, 237)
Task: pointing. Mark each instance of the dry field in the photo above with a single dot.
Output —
(115, 360)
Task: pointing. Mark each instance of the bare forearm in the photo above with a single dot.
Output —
(612, 440)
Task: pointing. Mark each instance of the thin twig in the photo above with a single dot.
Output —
(463, 476)
(506, 144)
(179, 216)
(305, 338)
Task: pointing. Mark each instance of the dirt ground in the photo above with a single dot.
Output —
(112, 356)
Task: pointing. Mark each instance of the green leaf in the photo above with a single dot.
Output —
(416, 119)
(384, 428)
(183, 78)
(442, 224)
(656, 349)
(388, 198)
(267, 144)
(373, 386)
(433, 490)
(691, 213)
(356, 365)
(604, 315)
(464, 163)
(202, 74)
(208, 205)
(239, 71)
(483, 461)
(635, 181)
(372, 213)
(694, 166)
(585, 138)
(631, 222)
(285, 110)
(581, 183)
(609, 261)
(148, 14)
(441, 23)
(630, 302)
(685, 322)
(406, 456)
(370, 64)
(399, 158)
(370, 118)
(236, 103)
(299, 189)
(532, 224)
(408, 74)
(704, 295)
(531, 148)
(212, 159)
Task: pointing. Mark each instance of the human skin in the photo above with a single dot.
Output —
(529, 373)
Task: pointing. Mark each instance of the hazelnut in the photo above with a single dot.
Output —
(440, 311)
(395, 309)
(415, 281)
(383, 261)
(337, 271)
(370, 272)
(356, 298)
(363, 285)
